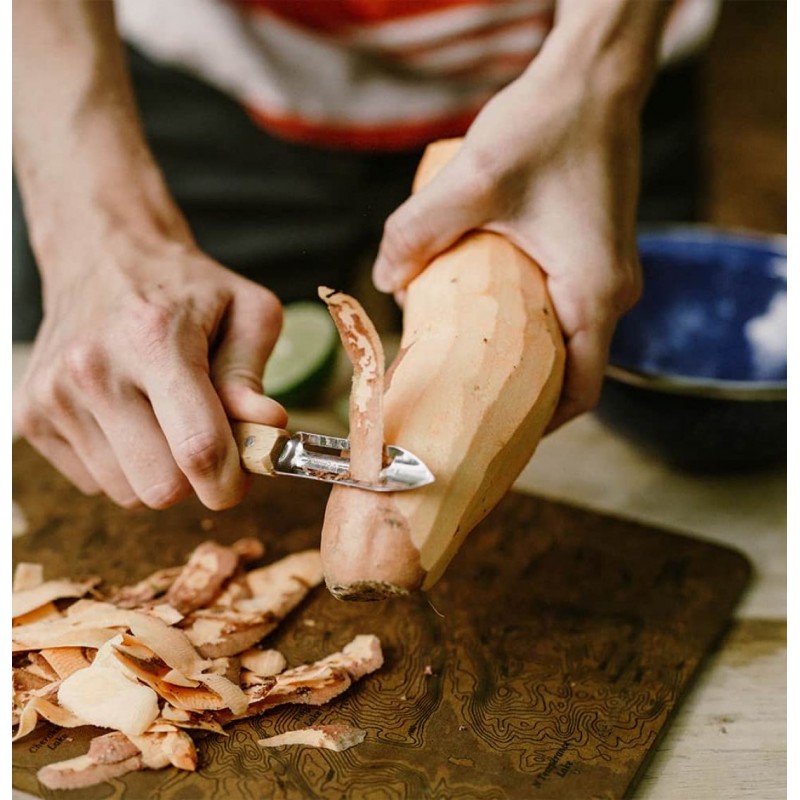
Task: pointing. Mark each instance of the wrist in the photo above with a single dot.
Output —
(98, 186)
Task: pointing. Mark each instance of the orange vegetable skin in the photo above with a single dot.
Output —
(476, 380)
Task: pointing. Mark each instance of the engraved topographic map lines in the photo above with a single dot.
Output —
(544, 665)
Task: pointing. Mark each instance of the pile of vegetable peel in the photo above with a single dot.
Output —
(176, 652)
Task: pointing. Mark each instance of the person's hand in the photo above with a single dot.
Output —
(148, 346)
(143, 356)
(552, 163)
(559, 183)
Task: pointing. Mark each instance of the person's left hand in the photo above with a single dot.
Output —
(553, 164)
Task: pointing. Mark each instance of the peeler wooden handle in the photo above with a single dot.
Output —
(259, 446)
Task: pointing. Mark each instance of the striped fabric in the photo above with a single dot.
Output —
(356, 74)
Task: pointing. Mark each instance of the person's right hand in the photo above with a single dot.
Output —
(143, 356)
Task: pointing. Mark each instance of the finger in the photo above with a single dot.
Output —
(587, 353)
(196, 426)
(91, 446)
(58, 452)
(70, 440)
(427, 224)
(589, 304)
(251, 329)
(142, 450)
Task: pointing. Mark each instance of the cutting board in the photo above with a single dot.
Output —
(545, 664)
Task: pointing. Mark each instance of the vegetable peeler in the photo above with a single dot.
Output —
(265, 450)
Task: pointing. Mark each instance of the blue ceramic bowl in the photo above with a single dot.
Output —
(697, 371)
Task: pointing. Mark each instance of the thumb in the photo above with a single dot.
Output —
(251, 329)
(425, 225)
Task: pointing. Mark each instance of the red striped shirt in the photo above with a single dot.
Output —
(363, 74)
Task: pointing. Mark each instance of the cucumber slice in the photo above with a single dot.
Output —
(302, 363)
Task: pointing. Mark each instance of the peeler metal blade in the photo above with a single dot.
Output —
(274, 451)
(326, 458)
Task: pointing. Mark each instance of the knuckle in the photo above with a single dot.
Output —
(269, 301)
(483, 175)
(86, 365)
(624, 287)
(269, 307)
(235, 385)
(27, 424)
(618, 291)
(152, 327)
(408, 233)
(155, 320)
(201, 454)
(27, 421)
(48, 398)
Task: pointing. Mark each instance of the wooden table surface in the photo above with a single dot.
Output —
(729, 737)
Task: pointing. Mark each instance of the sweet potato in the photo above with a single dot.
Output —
(475, 383)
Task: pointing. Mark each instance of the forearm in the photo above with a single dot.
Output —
(611, 46)
(80, 155)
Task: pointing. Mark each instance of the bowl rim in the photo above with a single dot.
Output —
(707, 232)
(711, 388)
(714, 388)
